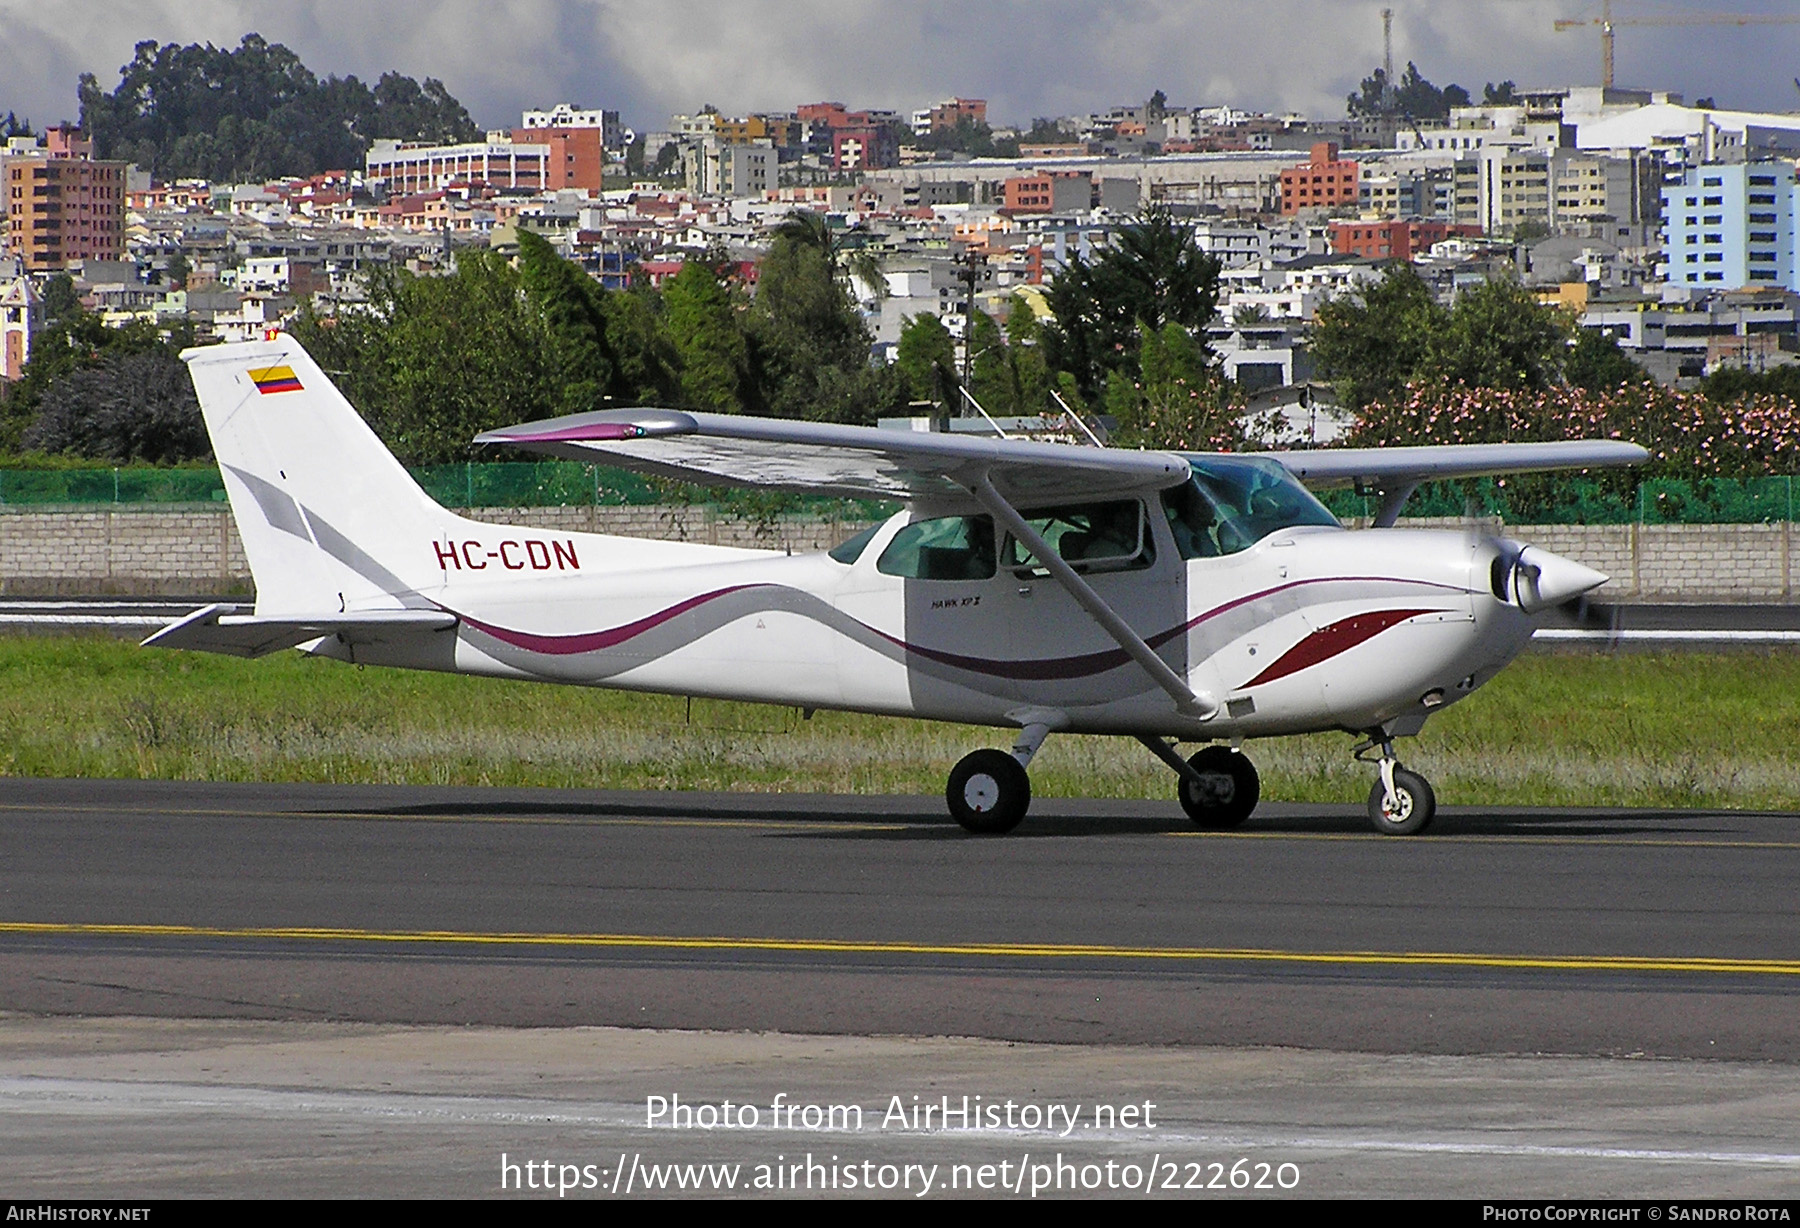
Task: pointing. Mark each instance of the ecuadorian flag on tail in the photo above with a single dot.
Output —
(275, 379)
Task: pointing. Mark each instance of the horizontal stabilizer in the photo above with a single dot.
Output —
(232, 630)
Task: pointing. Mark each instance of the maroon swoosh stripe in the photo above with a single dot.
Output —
(1038, 669)
(1330, 640)
(592, 641)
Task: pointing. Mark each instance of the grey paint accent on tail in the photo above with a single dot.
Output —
(278, 507)
(355, 557)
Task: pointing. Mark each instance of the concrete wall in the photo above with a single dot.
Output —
(195, 550)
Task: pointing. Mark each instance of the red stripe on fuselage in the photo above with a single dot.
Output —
(1330, 640)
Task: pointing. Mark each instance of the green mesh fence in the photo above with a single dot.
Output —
(1526, 499)
(501, 484)
(1552, 499)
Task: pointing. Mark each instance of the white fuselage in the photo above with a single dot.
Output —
(1311, 628)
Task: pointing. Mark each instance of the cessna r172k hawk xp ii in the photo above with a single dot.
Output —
(1032, 586)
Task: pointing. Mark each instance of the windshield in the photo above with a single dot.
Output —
(1233, 502)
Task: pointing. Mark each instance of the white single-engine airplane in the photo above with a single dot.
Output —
(1038, 587)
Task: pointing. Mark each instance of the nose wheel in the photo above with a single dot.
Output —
(1401, 803)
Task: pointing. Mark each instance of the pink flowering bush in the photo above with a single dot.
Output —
(1688, 434)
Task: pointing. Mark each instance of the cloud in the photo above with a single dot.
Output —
(649, 58)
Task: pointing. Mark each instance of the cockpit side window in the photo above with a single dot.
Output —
(944, 548)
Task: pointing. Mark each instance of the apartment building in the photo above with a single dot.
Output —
(499, 162)
(1324, 181)
(613, 133)
(1391, 238)
(62, 204)
(1732, 225)
(1050, 192)
(946, 115)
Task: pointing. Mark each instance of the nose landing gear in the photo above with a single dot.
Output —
(1401, 803)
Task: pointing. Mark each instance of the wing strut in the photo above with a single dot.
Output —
(1187, 702)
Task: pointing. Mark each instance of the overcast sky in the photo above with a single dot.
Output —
(648, 58)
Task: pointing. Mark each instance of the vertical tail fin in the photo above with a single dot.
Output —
(324, 510)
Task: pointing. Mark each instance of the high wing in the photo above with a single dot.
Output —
(1397, 472)
(826, 458)
(231, 630)
(1324, 468)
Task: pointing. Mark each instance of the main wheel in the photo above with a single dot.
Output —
(1228, 790)
(1415, 805)
(988, 792)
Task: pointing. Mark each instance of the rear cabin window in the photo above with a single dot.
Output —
(1091, 536)
(947, 548)
(849, 550)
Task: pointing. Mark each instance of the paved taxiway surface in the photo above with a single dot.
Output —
(301, 950)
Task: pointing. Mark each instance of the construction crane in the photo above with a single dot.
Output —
(1608, 23)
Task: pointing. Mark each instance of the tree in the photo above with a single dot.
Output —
(1370, 345)
(991, 379)
(1505, 94)
(131, 406)
(605, 347)
(255, 112)
(1025, 355)
(1595, 362)
(926, 352)
(809, 345)
(703, 324)
(433, 361)
(1412, 96)
(60, 300)
(575, 318)
(1154, 273)
(1499, 336)
(1730, 384)
(1179, 399)
(1496, 336)
(76, 340)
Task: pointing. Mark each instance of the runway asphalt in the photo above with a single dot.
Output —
(242, 988)
(1518, 931)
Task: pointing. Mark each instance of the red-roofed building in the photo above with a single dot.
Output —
(1388, 239)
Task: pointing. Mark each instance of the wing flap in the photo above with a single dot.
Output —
(232, 630)
(829, 458)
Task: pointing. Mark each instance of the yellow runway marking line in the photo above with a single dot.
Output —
(1441, 841)
(1010, 950)
(523, 819)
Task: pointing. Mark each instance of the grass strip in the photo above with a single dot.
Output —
(1631, 729)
